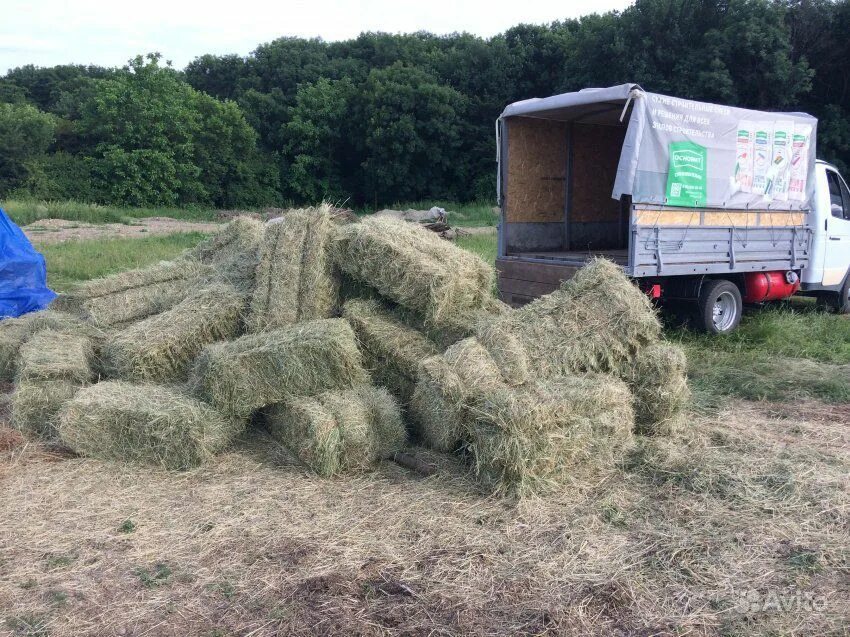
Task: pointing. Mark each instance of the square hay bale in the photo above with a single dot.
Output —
(448, 330)
(659, 382)
(127, 306)
(339, 431)
(161, 347)
(15, 332)
(256, 370)
(296, 279)
(233, 252)
(144, 423)
(543, 437)
(436, 406)
(392, 349)
(597, 321)
(36, 405)
(414, 267)
(162, 272)
(54, 355)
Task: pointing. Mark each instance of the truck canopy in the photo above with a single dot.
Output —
(669, 151)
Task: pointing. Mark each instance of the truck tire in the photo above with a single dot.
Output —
(719, 306)
(840, 302)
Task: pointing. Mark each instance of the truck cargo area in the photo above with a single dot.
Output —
(558, 179)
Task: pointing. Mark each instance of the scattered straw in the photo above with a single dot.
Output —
(414, 267)
(296, 279)
(341, 431)
(143, 423)
(161, 348)
(257, 370)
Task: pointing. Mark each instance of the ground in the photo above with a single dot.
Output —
(738, 525)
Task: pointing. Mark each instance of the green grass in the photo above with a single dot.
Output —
(460, 214)
(484, 245)
(74, 261)
(25, 212)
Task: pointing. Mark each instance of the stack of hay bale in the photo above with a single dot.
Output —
(348, 339)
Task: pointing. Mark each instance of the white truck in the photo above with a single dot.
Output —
(701, 202)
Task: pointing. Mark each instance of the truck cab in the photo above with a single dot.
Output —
(827, 276)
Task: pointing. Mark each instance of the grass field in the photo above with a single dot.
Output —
(24, 212)
(735, 526)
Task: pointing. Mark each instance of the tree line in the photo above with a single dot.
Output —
(384, 118)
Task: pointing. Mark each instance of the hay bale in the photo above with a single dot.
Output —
(37, 403)
(127, 306)
(436, 406)
(392, 349)
(341, 431)
(162, 272)
(257, 370)
(15, 332)
(540, 438)
(597, 321)
(659, 382)
(448, 330)
(144, 423)
(161, 347)
(507, 352)
(233, 252)
(296, 279)
(414, 267)
(54, 355)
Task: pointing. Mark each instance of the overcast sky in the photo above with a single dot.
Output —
(108, 33)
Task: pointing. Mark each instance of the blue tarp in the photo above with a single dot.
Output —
(23, 274)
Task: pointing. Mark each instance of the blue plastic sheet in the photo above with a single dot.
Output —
(23, 274)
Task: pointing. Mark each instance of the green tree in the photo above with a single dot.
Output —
(318, 149)
(25, 135)
(412, 135)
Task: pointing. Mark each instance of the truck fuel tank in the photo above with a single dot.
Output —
(769, 286)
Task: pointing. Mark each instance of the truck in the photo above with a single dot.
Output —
(714, 205)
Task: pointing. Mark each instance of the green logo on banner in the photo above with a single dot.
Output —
(686, 175)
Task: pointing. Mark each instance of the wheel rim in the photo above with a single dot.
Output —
(724, 312)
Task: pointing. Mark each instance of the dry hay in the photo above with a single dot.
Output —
(507, 352)
(436, 406)
(392, 349)
(596, 321)
(659, 382)
(448, 330)
(37, 403)
(296, 279)
(134, 294)
(339, 431)
(542, 437)
(15, 332)
(414, 267)
(256, 370)
(233, 252)
(143, 423)
(55, 355)
(162, 272)
(161, 347)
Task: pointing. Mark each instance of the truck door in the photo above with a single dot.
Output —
(837, 249)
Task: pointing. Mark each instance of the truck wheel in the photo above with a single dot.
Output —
(841, 301)
(719, 306)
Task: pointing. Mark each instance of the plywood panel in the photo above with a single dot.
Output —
(537, 169)
(737, 218)
(595, 156)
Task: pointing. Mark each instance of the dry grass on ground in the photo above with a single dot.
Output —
(752, 498)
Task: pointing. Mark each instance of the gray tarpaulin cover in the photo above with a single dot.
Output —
(685, 153)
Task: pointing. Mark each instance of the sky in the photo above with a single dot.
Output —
(108, 33)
